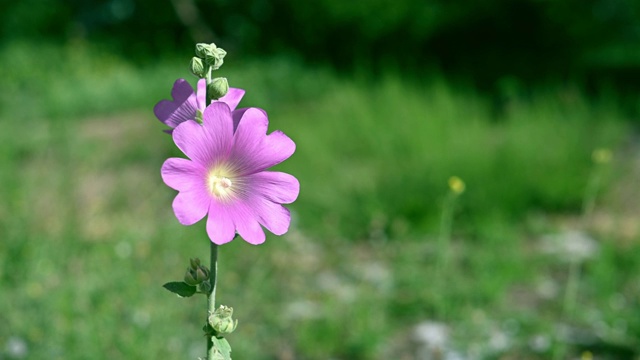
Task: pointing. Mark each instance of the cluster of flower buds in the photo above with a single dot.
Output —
(209, 57)
(211, 54)
(221, 320)
(196, 273)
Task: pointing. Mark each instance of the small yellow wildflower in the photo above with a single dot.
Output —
(601, 156)
(587, 355)
(456, 185)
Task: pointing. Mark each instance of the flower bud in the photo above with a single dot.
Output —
(197, 67)
(201, 49)
(199, 116)
(190, 277)
(221, 320)
(202, 274)
(214, 56)
(211, 54)
(194, 263)
(218, 88)
(205, 287)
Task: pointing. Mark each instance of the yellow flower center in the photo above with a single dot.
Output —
(219, 184)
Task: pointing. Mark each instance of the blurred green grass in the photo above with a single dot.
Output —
(88, 235)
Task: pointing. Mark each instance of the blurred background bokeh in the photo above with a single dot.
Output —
(534, 104)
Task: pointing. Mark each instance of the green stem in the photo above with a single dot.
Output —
(570, 297)
(209, 74)
(211, 297)
(573, 280)
(572, 288)
(444, 240)
(589, 199)
(444, 245)
(209, 80)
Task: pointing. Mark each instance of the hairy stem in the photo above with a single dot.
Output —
(211, 297)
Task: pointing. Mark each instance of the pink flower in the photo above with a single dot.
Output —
(186, 102)
(226, 178)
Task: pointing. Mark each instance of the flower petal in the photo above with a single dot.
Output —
(192, 140)
(201, 94)
(277, 187)
(232, 98)
(182, 174)
(220, 226)
(253, 150)
(239, 113)
(218, 125)
(275, 217)
(246, 224)
(191, 206)
(182, 108)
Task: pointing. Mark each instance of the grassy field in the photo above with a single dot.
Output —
(88, 235)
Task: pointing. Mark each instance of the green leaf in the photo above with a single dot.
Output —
(180, 288)
(223, 347)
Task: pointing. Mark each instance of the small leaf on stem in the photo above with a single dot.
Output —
(223, 347)
(180, 288)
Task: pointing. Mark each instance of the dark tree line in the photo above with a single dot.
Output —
(528, 39)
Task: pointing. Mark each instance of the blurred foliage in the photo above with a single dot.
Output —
(410, 136)
(529, 39)
(88, 234)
